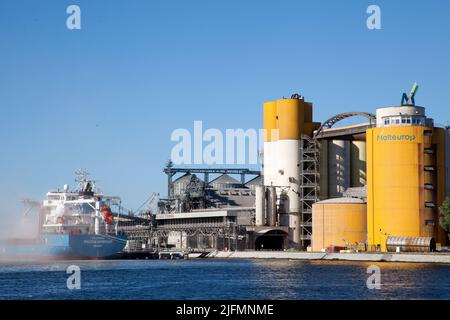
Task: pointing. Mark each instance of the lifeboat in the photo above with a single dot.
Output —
(107, 215)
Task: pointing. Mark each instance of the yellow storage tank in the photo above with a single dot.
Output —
(308, 113)
(290, 118)
(440, 176)
(270, 121)
(396, 183)
(338, 222)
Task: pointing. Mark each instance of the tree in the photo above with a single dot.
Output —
(444, 215)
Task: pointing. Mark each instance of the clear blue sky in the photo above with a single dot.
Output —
(108, 96)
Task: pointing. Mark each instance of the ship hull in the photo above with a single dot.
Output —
(66, 247)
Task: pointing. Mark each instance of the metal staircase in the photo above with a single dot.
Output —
(309, 186)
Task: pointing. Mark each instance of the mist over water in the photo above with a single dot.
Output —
(17, 221)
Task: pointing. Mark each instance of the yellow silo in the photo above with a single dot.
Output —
(270, 142)
(403, 173)
(270, 121)
(282, 155)
(338, 222)
(291, 115)
(308, 112)
(441, 177)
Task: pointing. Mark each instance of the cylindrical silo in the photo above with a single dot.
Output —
(290, 120)
(404, 176)
(294, 228)
(447, 161)
(339, 167)
(291, 117)
(270, 142)
(339, 222)
(323, 170)
(272, 206)
(396, 178)
(308, 118)
(282, 160)
(288, 170)
(358, 163)
(260, 206)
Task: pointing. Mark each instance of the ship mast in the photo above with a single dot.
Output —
(87, 186)
(84, 184)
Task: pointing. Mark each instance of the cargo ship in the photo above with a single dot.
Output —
(78, 224)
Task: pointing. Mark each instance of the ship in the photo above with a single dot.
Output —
(73, 225)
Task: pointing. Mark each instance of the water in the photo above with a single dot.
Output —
(222, 279)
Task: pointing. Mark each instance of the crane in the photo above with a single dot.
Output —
(147, 211)
(30, 205)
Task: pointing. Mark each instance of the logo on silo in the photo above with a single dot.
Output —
(393, 137)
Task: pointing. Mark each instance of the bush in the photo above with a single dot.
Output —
(444, 215)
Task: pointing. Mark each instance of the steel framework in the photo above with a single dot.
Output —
(339, 117)
(309, 186)
(170, 170)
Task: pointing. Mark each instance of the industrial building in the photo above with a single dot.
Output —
(205, 214)
(361, 187)
(372, 186)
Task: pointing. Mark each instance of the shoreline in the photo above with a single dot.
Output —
(315, 256)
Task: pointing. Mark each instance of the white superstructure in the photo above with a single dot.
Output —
(82, 211)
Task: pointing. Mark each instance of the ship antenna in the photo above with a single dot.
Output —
(82, 179)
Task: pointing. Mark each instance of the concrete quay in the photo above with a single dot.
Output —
(363, 257)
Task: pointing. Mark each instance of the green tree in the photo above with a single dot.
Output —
(444, 215)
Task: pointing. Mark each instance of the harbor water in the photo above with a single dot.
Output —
(222, 280)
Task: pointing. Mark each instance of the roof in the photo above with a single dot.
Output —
(255, 181)
(185, 178)
(225, 179)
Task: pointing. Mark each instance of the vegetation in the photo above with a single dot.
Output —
(444, 215)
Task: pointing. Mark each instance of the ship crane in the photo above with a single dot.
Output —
(30, 205)
(144, 209)
(148, 208)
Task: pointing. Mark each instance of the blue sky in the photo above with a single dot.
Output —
(108, 96)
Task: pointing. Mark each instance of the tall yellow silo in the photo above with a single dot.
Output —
(291, 115)
(270, 141)
(282, 162)
(403, 188)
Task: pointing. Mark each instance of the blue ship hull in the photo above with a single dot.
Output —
(64, 246)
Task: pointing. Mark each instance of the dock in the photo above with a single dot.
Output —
(360, 257)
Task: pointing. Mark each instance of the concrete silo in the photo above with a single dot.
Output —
(339, 172)
(289, 119)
